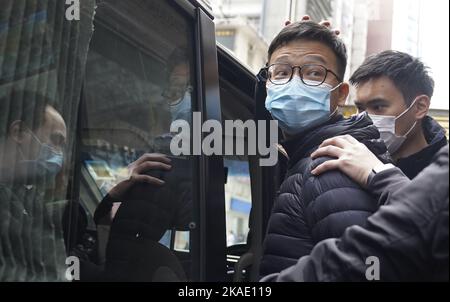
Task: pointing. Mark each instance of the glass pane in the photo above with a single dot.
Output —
(238, 201)
(279, 72)
(182, 241)
(42, 61)
(314, 74)
(139, 79)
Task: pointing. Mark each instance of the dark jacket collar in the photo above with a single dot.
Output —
(434, 133)
(359, 126)
(436, 139)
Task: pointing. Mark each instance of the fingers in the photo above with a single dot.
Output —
(335, 146)
(350, 139)
(325, 23)
(328, 151)
(305, 18)
(343, 141)
(151, 165)
(326, 166)
(156, 157)
(336, 141)
(147, 179)
(152, 157)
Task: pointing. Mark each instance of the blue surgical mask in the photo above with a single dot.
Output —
(182, 109)
(298, 107)
(48, 162)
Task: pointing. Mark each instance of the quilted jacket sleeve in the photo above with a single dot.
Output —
(309, 209)
(333, 202)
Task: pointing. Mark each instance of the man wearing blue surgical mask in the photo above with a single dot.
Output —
(31, 157)
(305, 88)
(35, 152)
(42, 150)
(396, 90)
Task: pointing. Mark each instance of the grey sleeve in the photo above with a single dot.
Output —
(387, 182)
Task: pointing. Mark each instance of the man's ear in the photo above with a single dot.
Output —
(422, 106)
(16, 131)
(343, 93)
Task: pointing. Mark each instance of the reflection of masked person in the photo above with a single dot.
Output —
(178, 93)
(181, 108)
(29, 193)
(47, 164)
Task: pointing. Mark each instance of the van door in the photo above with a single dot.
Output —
(151, 63)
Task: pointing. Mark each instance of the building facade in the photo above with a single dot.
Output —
(246, 28)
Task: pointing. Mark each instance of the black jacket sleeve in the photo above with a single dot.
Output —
(385, 183)
(408, 236)
(103, 208)
(334, 202)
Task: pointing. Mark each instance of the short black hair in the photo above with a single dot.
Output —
(22, 105)
(312, 31)
(407, 73)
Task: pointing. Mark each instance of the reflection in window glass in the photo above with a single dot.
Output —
(166, 239)
(182, 241)
(138, 80)
(42, 60)
(238, 200)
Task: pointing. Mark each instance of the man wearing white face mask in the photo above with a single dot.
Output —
(396, 89)
(304, 82)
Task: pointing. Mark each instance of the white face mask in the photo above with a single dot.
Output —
(386, 126)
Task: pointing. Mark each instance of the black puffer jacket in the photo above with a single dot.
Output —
(408, 236)
(309, 209)
(435, 136)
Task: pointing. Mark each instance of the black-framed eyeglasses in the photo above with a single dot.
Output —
(310, 74)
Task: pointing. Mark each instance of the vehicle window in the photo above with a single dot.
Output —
(238, 200)
(42, 59)
(139, 78)
(236, 106)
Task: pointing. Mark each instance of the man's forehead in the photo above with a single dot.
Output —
(377, 88)
(304, 50)
(293, 57)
